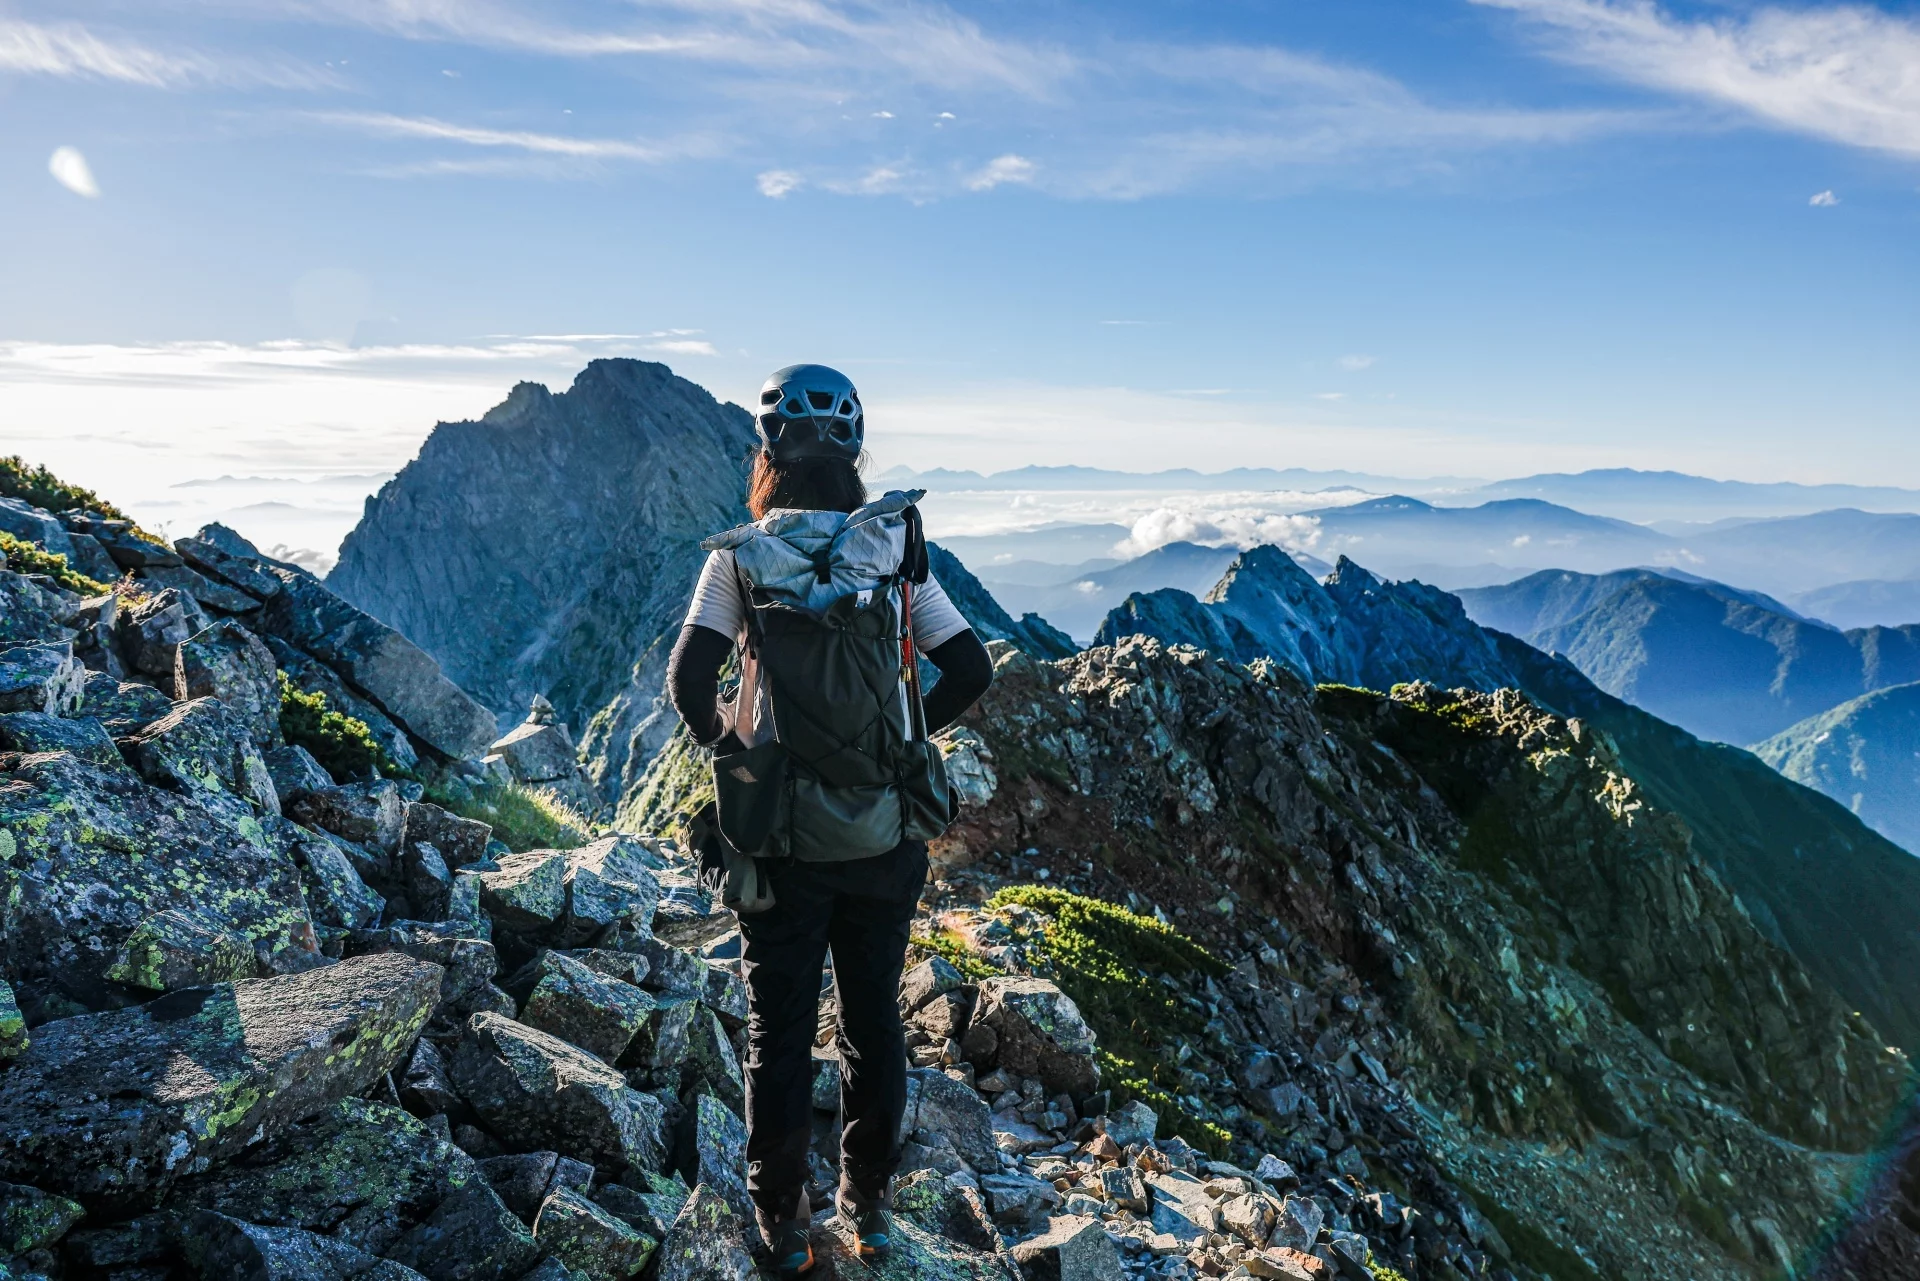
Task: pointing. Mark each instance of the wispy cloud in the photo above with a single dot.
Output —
(71, 170)
(1846, 73)
(73, 51)
(1002, 169)
(1823, 200)
(1354, 364)
(392, 126)
(775, 183)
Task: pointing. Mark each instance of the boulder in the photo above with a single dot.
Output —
(91, 559)
(335, 893)
(309, 674)
(1016, 1199)
(94, 623)
(32, 614)
(424, 881)
(663, 1040)
(32, 1220)
(935, 976)
(293, 769)
(82, 736)
(221, 1249)
(946, 1209)
(43, 678)
(1249, 1217)
(128, 549)
(422, 1085)
(538, 750)
(1298, 1223)
(713, 1152)
(937, 1104)
(626, 967)
(609, 883)
(535, 1091)
(708, 1242)
(916, 1253)
(374, 1178)
(87, 854)
(228, 662)
(209, 593)
(460, 841)
(588, 1239)
(122, 707)
(528, 891)
(710, 1060)
(370, 814)
(526, 1179)
(215, 562)
(175, 949)
(1072, 1248)
(1123, 1185)
(113, 1109)
(1181, 1206)
(570, 1000)
(151, 629)
(35, 525)
(1040, 1033)
(646, 1200)
(199, 750)
(379, 662)
(467, 964)
(1133, 1122)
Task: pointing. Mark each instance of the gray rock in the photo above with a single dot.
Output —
(31, 614)
(228, 662)
(467, 964)
(199, 750)
(460, 841)
(939, 1105)
(1041, 1033)
(35, 525)
(826, 1079)
(587, 1238)
(210, 594)
(13, 1025)
(379, 662)
(223, 1249)
(86, 854)
(422, 1085)
(44, 678)
(175, 949)
(368, 814)
(528, 891)
(1249, 1217)
(128, 549)
(315, 677)
(112, 1109)
(1275, 1173)
(609, 883)
(1071, 1249)
(424, 881)
(372, 1177)
(648, 1201)
(712, 1151)
(1181, 1206)
(663, 1040)
(627, 967)
(293, 769)
(90, 559)
(1123, 1185)
(1016, 1199)
(150, 631)
(335, 893)
(82, 736)
(537, 753)
(571, 1001)
(935, 976)
(1298, 1224)
(916, 1253)
(671, 971)
(244, 573)
(946, 1209)
(1133, 1122)
(710, 1060)
(536, 1091)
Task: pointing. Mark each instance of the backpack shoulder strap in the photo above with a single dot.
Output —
(914, 566)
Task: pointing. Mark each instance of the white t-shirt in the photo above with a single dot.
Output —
(720, 604)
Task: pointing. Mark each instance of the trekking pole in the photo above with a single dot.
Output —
(910, 665)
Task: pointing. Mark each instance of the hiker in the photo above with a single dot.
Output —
(827, 790)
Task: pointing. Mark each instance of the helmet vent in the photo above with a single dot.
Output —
(771, 396)
(820, 399)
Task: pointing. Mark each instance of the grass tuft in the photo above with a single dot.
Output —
(524, 818)
(41, 488)
(344, 745)
(23, 557)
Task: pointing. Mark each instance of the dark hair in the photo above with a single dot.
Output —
(809, 484)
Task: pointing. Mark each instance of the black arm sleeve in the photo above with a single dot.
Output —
(693, 679)
(965, 673)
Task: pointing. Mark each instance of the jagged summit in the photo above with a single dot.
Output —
(549, 547)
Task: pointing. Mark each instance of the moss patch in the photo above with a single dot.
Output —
(1123, 970)
(23, 557)
(343, 744)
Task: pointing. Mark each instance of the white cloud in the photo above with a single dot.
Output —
(1007, 168)
(1846, 72)
(72, 51)
(1354, 364)
(883, 115)
(1823, 200)
(775, 183)
(1329, 395)
(684, 347)
(71, 170)
(426, 127)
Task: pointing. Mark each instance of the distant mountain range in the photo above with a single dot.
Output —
(1865, 754)
(1725, 664)
(1863, 603)
(1079, 599)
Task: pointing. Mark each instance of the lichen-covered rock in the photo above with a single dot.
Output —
(725, 993)
(711, 1061)
(31, 1219)
(916, 1255)
(1041, 1033)
(712, 1151)
(122, 707)
(228, 662)
(175, 949)
(315, 677)
(335, 893)
(294, 770)
(35, 525)
(370, 814)
(662, 1041)
(571, 1001)
(935, 976)
(588, 1239)
(526, 1179)
(538, 751)
(646, 1200)
(377, 1179)
(1072, 1248)
(609, 883)
(467, 964)
(199, 750)
(152, 629)
(30, 613)
(422, 1085)
(14, 1038)
(218, 563)
(112, 1109)
(209, 593)
(384, 665)
(223, 1249)
(951, 1210)
(87, 854)
(528, 890)
(535, 1091)
(44, 678)
(82, 736)
(708, 1242)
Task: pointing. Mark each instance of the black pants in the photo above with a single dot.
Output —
(863, 911)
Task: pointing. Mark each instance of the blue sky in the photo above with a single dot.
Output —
(1479, 237)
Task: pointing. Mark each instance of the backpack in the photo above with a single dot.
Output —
(849, 772)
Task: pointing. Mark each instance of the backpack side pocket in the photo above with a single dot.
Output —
(928, 802)
(750, 790)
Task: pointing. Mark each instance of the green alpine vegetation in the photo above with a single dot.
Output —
(343, 744)
(23, 557)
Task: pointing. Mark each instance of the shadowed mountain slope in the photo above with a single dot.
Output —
(1865, 754)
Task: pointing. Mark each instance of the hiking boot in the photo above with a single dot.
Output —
(871, 1220)
(789, 1241)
